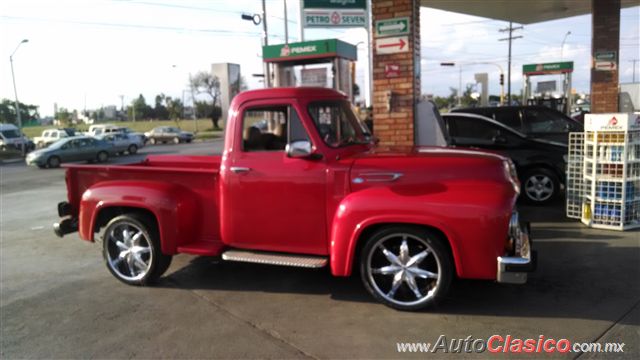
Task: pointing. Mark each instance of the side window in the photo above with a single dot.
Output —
(542, 121)
(509, 118)
(469, 130)
(296, 129)
(54, 135)
(265, 128)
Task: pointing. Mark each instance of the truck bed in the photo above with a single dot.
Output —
(196, 174)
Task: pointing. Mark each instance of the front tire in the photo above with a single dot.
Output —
(53, 162)
(406, 267)
(131, 249)
(540, 186)
(133, 149)
(102, 156)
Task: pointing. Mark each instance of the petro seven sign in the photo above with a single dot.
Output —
(334, 13)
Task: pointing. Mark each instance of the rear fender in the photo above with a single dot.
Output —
(360, 210)
(173, 206)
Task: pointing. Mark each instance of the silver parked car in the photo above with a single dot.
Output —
(123, 142)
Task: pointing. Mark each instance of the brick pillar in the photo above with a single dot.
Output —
(605, 24)
(396, 127)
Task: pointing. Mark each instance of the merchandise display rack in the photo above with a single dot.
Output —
(575, 175)
(611, 165)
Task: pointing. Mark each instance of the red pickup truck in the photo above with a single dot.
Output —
(301, 183)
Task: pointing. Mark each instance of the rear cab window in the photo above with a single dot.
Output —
(271, 128)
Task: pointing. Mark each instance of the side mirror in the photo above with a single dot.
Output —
(299, 149)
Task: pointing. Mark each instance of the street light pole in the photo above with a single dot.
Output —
(13, 77)
(562, 46)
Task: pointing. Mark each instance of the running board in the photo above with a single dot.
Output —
(305, 261)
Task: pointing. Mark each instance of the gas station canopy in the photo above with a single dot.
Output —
(309, 52)
(522, 12)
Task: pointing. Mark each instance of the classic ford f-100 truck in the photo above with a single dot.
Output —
(301, 183)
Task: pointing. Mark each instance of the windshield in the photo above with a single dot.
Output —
(337, 124)
(10, 134)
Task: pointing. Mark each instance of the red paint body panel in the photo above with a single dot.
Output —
(315, 206)
(181, 191)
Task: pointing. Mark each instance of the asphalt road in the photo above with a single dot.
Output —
(57, 299)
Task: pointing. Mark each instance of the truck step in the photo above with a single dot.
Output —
(271, 258)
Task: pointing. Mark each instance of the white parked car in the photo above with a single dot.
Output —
(103, 129)
(52, 135)
(123, 142)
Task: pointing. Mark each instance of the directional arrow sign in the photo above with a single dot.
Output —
(392, 27)
(605, 65)
(392, 45)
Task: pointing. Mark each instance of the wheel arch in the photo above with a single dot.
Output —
(375, 227)
(168, 205)
(345, 252)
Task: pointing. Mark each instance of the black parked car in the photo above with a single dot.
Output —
(540, 163)
(533, 121)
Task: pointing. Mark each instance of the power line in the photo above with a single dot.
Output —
(134, 26)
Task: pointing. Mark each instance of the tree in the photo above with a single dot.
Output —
(207, 83)
(142, 110)
(64, 116)
(174, 109)
(8, 112)
(160, 111)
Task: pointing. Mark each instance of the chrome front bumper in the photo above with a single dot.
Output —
(513, 269)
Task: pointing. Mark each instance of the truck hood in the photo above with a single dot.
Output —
(413, 167)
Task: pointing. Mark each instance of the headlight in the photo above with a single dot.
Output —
(565, 157)
(512, 175)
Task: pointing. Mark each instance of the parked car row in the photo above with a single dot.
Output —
(98, 144)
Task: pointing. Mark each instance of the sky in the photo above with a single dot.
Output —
(87, 54)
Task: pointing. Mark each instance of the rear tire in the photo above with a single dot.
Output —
(132, 252)
(132, 149)
(406, 267)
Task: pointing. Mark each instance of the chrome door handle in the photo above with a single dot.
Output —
(239, 170)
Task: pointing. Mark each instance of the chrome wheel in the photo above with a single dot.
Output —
(404, 269)
(539, 187)
(128, 251)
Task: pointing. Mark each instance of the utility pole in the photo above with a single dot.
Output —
(265, 37)
(634, 61)
(510, 29)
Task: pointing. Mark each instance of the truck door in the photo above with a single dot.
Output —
(270, 201)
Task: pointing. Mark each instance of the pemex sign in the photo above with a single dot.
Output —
(334, 13)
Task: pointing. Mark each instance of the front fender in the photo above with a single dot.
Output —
(172, 205)
(475, 230)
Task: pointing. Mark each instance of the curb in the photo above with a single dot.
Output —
(11, 161)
